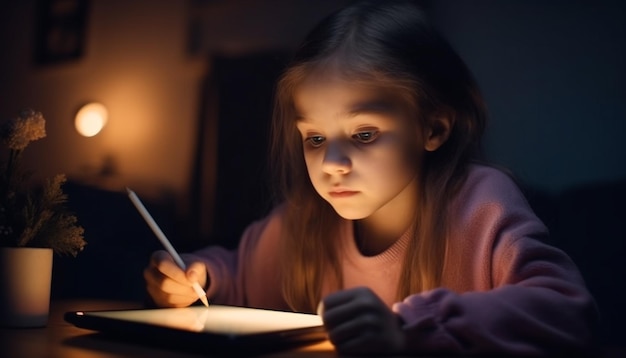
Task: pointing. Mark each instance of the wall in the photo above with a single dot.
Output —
(552, 74)
(237, 27)
(554, 79)
(135, 62)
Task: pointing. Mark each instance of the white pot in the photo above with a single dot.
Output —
(25, 279)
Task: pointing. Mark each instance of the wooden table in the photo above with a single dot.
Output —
(60, 339)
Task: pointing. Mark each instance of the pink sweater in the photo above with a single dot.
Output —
(504, 290)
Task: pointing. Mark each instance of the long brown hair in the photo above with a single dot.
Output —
(390, 45)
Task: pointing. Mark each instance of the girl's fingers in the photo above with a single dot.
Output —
(197, 272)
(345, 305)
(358, 322)
(168, 284)
(164, 299)
(166, 292)
(165, 264)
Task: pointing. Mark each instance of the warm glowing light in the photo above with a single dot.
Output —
(90, 119)
(217, 318)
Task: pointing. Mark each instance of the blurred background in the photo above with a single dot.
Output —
(188, 89)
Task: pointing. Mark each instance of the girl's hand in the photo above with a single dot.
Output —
(358, 322)
(168, 284)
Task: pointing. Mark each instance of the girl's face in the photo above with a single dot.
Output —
(361, 147)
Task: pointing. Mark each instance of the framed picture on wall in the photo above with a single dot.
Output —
(60, 32)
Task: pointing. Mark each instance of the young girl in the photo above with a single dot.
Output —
(386, 226)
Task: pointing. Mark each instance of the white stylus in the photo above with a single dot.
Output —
(166, 243)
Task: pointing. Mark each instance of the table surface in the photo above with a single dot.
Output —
(63, 340)
(60, 339)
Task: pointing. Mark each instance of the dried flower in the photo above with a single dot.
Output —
(33, 218)
(16, 133)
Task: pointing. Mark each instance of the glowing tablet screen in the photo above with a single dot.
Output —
(217, 319)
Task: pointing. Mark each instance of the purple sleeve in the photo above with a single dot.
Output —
(528, 298)
(541, 309)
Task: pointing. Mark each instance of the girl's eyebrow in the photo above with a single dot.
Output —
(366, 107)
(371, 107)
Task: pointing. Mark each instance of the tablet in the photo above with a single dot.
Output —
(216, 329)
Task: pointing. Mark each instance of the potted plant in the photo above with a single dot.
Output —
(34, 223)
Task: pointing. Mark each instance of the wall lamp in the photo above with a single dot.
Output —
(90, 119)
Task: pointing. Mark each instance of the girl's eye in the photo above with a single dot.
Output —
(315, 141)
(366, 136)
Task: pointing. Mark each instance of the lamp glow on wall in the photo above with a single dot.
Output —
(90, 119)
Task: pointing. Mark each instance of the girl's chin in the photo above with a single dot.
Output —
(351, 213)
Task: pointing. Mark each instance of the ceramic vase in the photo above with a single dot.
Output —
(25, 280)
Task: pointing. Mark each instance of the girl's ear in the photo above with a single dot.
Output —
(438, 130)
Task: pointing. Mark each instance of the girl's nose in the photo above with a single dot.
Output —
(336, 159)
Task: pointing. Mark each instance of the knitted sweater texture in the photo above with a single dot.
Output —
(504, 289)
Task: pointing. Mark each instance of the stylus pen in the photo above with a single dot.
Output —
(166, 243)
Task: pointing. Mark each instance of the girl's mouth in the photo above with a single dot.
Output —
(342, 193)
